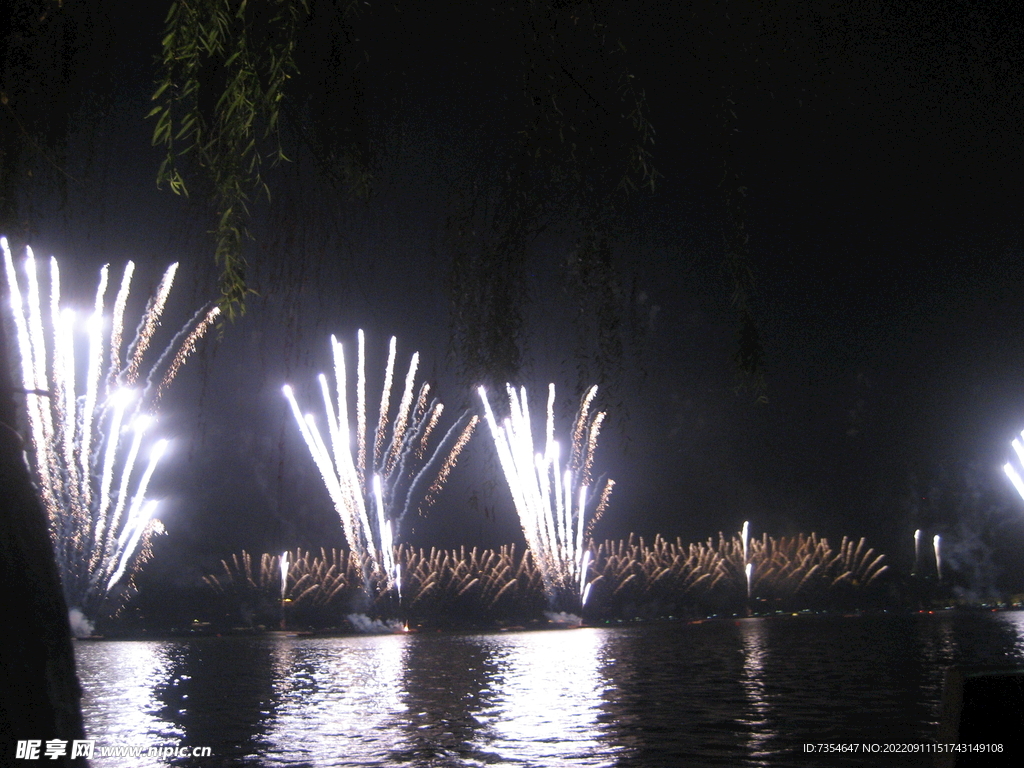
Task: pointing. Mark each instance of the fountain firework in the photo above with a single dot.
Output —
(374, 481)
(551, 502)
(86, 432)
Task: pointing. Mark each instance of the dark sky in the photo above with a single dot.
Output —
(880, 145)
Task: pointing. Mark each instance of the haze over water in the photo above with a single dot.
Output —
(745, 692)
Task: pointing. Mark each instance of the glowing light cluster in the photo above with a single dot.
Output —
(551, 500)
(374, 481)
(86, 432)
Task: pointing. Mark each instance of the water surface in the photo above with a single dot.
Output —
(744, 692)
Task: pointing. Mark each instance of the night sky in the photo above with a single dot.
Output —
(880, 145)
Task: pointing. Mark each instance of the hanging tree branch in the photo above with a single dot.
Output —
(219, 101)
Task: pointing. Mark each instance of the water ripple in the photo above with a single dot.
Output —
(745, 692)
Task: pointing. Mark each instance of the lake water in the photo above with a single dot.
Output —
(745, 692)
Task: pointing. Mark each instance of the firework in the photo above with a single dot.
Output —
(631, 579)
(551, 501)
(491, 585)
(1011, 471)
(374, 481)
(441, 586)
(87, 433)
(748, 567)
(634, 578)
(284, 573)
(315, 587)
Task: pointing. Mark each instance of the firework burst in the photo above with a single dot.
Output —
(552, 502)
(315, 587)
(375, 480)
(634, 578)
(87, 434)
(631, 579)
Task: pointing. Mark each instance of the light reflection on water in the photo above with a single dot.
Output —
(131, 675)
(1015, 621)
(549, 693)
(725, 693)
(753, 636)
(343, 692)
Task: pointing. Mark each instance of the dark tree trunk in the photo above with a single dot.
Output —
(39, 690)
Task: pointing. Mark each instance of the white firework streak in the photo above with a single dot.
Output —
(372, 501)
(552, 502)
(284, 573)
(1011, 471)
(86, 431)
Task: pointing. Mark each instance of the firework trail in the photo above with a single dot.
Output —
(86, 433)
(284, 574)
(1011, 471)
(375, 482)
(748, 567)
(551, 502)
